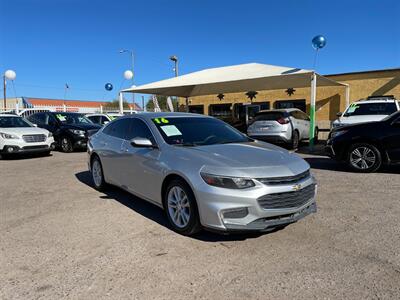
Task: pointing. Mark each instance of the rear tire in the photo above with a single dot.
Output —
(96, 169)
(295, 140)
(181, 208)
(365, 158)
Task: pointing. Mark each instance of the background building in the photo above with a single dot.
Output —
(330, 100)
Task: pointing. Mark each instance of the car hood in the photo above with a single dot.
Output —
(253, 159)
(84, 127)
(20, 131)
(359, 119)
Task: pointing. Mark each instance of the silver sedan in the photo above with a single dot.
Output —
(202, 172)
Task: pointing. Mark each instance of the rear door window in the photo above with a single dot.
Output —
(118, 129)
(268, 116)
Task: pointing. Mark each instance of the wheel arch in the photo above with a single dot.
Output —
(168, 179)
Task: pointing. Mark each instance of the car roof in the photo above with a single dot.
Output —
(152, 115)
(9, 115)
(279, 110)
(364, 101)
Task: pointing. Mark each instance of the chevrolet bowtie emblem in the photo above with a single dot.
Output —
(296, 187)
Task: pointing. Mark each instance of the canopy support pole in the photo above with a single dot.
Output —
(312, 109)
(187, 104)
(121, 103)
(347, 97)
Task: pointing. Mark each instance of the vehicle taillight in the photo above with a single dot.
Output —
(283, 120)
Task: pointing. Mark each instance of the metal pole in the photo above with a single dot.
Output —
(187, 104)
(121, 103)
(312, 109)
(4, 91)
(176, 68)
(347, 95)
(143, 103)
(133, 78)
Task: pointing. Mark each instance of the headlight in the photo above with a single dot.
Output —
(337, 133)
(227, 182)
(77, 132)
(8, 136)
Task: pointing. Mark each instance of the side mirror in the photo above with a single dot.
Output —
(339, 114)
(142, 143)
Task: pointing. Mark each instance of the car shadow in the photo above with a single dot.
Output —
(22, 156)
(156, 214)
(329, 164)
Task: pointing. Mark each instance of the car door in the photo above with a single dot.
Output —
(142, 171)
(305, 124)
(391, 141)
(297, 123)
(111, 150)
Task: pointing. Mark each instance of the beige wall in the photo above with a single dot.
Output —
(330, 100)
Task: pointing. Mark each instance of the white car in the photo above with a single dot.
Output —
(18, 135)
(369, 110)
(103, 119)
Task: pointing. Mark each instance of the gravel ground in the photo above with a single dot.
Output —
(60, 238)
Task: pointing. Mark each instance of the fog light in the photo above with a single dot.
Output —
(10, 149)
(236, 213)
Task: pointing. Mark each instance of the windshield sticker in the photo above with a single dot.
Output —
(352, 108)
(61, 117)
(161, 121)
(171, 130)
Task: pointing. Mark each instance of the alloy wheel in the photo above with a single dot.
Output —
(178, 207)
(362, 158)
(97, 174)
(66, 145)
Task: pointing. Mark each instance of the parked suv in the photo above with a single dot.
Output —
(70, 130)
(103, 119)
(19, 136)
(365, 147)
(370, 110)
(288, 126)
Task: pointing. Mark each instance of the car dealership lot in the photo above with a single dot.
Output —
(62, 238)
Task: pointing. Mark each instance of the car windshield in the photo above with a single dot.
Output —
(72, 118)
(196, 131)
(9, 122)
(359, 109)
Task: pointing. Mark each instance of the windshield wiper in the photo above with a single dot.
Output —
(186, 145)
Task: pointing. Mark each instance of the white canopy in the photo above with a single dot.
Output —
(231, 79)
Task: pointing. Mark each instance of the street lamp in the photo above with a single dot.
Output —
(126, 74)
(8, 75)
(174, 58)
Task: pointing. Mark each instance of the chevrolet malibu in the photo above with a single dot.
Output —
(202, 172)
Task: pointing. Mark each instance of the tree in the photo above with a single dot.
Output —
(162, 102)
(115, 104)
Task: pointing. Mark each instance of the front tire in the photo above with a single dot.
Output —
(96, 169)
(364, 158)
(181, 208)
(66, 145)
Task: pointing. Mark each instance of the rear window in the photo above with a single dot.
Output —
(268, 116)
(370, 109)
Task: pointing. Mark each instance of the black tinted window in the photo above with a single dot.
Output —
(139, 129)
(94, 119)
(39, 118)
(268, 116)
(118, 128)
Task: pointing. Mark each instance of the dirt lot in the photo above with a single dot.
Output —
(60, 238)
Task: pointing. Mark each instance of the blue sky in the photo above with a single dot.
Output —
(50, 43)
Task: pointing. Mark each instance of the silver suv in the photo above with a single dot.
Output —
(288, 126)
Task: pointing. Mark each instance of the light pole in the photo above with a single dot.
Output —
(8, 75)
(133, 68)
(174, 58)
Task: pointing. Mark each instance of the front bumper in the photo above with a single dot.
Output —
(213, 203)
(20, 146)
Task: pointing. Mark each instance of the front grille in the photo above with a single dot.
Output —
(35, 147)
(287, 199)
(34, 138)
(285, 180)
